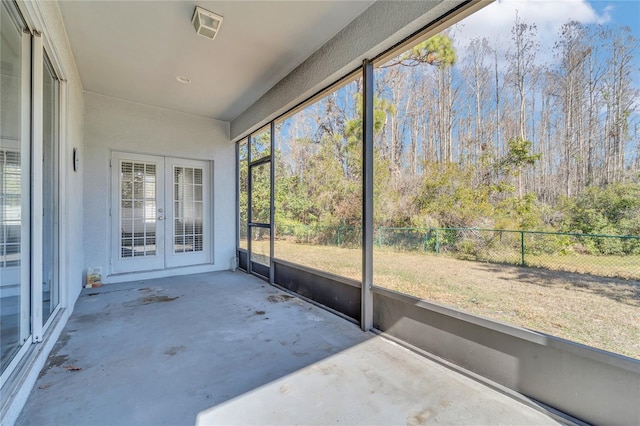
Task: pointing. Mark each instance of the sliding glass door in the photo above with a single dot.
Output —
(30, 108)
(15, 295)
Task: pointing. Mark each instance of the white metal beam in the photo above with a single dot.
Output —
(37, 58)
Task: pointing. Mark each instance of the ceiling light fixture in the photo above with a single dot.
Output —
(206, 23)
(182, 79)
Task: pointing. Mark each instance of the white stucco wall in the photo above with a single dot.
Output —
(118, 125)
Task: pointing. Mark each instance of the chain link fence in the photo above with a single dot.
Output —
(340, 236)
(612, 256)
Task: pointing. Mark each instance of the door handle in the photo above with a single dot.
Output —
(159, 217)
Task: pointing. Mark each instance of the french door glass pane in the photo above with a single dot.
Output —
(188, 214)
(14, 184)
(138, 186)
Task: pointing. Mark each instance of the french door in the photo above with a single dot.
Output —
(160, 212)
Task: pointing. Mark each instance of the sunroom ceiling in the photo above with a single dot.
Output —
(134, 50)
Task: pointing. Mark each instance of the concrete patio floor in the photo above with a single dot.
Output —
(227, 348)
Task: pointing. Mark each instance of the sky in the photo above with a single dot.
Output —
(549, 15)
(622, 12)
(494, 22)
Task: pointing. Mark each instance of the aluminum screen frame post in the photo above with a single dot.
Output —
(237, 199)
(366, 321)
(249, 218)
(272, 188)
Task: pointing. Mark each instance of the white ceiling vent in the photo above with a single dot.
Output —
(207, 23)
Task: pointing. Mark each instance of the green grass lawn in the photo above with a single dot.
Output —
(596, 311)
